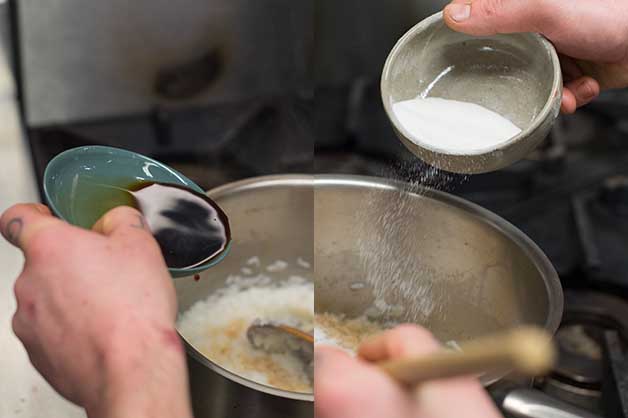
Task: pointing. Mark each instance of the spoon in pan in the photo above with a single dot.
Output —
(273, 337)
(528, 351)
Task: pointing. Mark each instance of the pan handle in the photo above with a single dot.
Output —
(530, 403)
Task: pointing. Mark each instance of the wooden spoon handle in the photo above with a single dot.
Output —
(526, 350)
(298, 333)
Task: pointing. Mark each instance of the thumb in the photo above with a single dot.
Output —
(488, 17)
(128, 227)
(21, 222)
(123, 221)
(345, 387)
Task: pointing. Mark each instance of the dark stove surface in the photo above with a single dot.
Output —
(591, 371)
(212, 145)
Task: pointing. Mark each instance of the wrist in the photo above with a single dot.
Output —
(144, 375)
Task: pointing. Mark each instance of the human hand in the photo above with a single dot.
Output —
(591, 37)
(355, 388)
(96, 312)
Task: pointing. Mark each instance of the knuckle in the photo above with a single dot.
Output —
(17, 208)
(40, 207)
(19, 289)
(491, 8)
(391, 342)
(135, 234)
(405, 337)
(412, 331)
(25, 298)
(18, 326)
(589, 89)
(43, 244)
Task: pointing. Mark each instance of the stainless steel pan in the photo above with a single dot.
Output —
(483, 273)
(454, 267)
(271, 218)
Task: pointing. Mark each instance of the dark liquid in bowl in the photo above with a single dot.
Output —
(190, 228)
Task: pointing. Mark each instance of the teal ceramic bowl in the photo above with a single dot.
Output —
(73, 174)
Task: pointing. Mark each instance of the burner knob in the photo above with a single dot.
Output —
(614, 194)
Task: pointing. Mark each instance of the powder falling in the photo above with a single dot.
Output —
(387, 246)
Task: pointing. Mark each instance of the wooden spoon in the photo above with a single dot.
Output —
(271, 336)
(279, 338)
(526, 350)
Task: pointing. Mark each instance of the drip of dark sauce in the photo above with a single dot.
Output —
(197, 277)
(190, 228)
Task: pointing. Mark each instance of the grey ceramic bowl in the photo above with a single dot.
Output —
(515, 75)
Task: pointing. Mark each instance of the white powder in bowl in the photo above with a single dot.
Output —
(453, 127)
(217, 327)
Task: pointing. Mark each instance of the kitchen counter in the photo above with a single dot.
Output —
(23, 392)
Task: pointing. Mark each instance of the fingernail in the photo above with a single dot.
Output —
(459, 12)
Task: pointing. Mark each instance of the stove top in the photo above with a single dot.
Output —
(592, 368)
